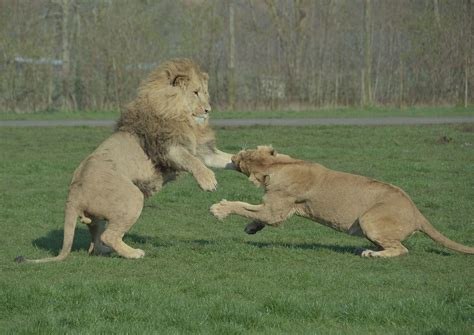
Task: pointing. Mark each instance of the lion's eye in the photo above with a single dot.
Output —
(196, 92)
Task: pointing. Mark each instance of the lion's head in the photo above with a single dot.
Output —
(182, 81)
(171, 108)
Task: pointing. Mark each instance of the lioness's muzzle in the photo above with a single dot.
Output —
(235, 160)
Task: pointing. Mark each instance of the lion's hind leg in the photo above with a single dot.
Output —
(121, 219)
(97, 247)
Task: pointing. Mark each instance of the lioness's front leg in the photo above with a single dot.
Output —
(184, 160)
(224, 208)
(268, 213)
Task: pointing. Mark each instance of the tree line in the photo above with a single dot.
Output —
(292, 54)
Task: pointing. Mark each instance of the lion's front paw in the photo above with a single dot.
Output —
(220, 210)
(207, 180)
(136, 253)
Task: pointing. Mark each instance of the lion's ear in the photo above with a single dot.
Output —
(177, 79)
(180, 81)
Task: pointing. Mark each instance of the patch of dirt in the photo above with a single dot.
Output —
(444, 140)
(466, 127)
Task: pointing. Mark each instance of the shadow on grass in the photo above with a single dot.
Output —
(161, 243)
(439, 252)
(349, 249)
(54, 240)
(308, 246)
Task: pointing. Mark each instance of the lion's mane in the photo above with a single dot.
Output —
(158, 115)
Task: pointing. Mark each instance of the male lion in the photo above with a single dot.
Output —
(163, 131)
(357, 205)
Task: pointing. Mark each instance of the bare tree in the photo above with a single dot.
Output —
(231, 73)
(467, 49)
(68, 101)
(366, 80)
(91, 55)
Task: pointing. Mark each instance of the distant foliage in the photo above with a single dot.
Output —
(91, 55)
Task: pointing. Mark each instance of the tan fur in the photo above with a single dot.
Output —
(354, 204)
(163, 131)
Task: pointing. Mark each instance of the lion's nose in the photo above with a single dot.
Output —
(207, 109)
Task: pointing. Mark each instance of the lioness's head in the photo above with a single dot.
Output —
(253, 162)
(244, 160)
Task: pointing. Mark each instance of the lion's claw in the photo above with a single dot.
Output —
(208, 181)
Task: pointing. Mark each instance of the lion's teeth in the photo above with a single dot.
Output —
(199, 119)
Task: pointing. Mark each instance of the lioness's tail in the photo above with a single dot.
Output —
(435, 235)
(70, 221)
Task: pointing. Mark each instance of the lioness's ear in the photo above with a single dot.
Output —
(258, 178)
(267, 148)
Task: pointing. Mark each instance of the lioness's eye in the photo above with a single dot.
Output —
(196, 92)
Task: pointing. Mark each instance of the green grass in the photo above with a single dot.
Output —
(204, 276)
(349, 112)
(61, 115)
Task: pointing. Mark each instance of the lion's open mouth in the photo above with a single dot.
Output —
(200, 119)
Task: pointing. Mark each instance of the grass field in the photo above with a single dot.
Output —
(204, 276)
(342, 112)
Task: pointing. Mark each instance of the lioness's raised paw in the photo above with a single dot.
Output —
(220, 210)
(254, 227)
(207, 180)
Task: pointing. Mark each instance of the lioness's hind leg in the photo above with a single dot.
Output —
(390, 249)
(121, 221)
(382, 228)
(97, 247)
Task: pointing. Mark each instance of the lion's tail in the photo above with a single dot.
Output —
(70, 221)
(435, 235)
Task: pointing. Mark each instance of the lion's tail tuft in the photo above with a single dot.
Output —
(70, 221)
(20, 259)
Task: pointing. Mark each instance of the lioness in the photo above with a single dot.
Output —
(354, 204)
(163, 131)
